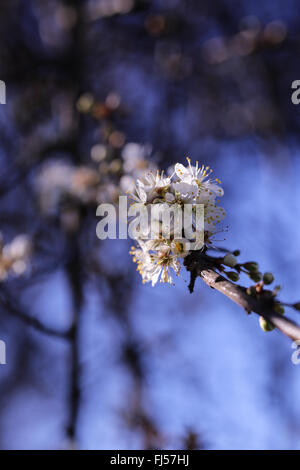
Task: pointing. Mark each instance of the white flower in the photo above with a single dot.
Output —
(20, 247)
(156, 182)
(212, 189)
(139, 194)
(58, 178)
(187, 174)
(156, 265)
(134, 157)
(198, 175)
(192, 174)
(186, 192)
(150, 187)
(53, 180)
(127, 183)
(213, 214)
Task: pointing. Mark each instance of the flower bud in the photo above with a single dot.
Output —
(265, 325)
(268, 278)
(256, 276)
(276, 290)
(233, 276)
(279, 309)
(251, 266)
(229, 260)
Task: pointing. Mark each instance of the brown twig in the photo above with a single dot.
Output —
(199, 264)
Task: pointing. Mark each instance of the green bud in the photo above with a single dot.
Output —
(229, 260)
(236, 252)
(297, 306)
(251, 266)
(268, 278)
(265, 325)
(233, 276)
(276, 290)
(279, 309)
(251, 291)
(256, 276)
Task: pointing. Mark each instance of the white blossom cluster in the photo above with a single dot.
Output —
(102, 181)
(186, 185)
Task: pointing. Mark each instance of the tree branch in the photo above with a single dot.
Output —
(199, 264)
(15, 310)
(73, 268)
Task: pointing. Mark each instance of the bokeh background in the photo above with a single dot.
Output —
(98, 91)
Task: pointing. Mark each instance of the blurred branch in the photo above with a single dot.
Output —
(73, 268)
(120, 289)
(199, 264)
(21, 172)
(12, 308)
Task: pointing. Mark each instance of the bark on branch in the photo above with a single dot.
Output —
(199, 264)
